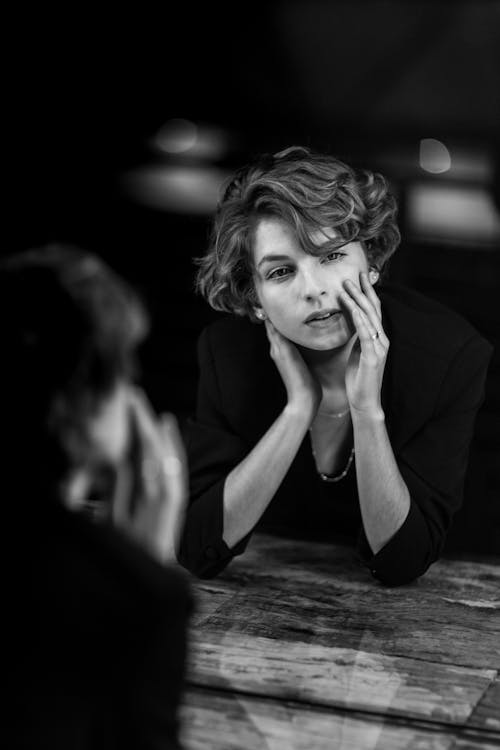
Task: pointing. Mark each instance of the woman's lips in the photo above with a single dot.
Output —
(323, 319)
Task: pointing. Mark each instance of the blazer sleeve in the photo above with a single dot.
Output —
(213, 450)
(433, 465)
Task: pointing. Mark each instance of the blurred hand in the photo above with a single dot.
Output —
(303, 389)
(150, 497)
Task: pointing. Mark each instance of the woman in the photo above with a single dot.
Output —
(94, 492)
(358, 424)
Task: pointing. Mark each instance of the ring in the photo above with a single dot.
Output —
(375, 335)
(172, 466)
(154, 469)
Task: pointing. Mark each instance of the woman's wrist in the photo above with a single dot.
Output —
(373, 415)
(301, 410)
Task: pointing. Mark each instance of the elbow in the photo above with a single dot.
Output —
(202, 562)
(404, 569)
(205, 573)
(201, 568)
(399, 576)
(409, 554)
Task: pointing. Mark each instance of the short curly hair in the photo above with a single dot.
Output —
(309, 192)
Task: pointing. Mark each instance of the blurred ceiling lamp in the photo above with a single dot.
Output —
(178, 189)
(434, 157)
(470, 162)
(184, 137)
(459, 214)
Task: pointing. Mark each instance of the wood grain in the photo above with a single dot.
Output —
(292, 635)
(316, 594)
(487, 712)
(213, 720)
(338, 677)
(209, 598)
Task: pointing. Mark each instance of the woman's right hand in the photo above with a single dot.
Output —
(302, 387)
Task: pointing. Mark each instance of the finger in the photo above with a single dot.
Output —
(366, 304)
(372, 317)
(174, 462)
(159, 518)
(175, 481)
(270, 329)
(271, 334)
(357, 313)
(369, 341)
(160, 438)
(370, 292)
(164, 462)
(143, 413)
(121, 500)
(277, 341)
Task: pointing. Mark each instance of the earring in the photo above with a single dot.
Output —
(260, 314)
(374, 274)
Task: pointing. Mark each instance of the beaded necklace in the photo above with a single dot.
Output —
(337, 477)
(327, 477)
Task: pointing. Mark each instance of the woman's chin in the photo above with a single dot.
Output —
(326, 340)
(326, 344)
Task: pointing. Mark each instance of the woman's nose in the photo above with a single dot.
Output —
(313, 284)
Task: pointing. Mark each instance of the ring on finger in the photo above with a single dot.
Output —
(172, 466)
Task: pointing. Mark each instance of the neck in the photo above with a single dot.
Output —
(329, 366)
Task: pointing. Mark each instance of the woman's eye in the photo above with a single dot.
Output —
(279, 273)
(334, 255)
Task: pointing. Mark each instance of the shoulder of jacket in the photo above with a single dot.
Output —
(421, 322)
(231, 332)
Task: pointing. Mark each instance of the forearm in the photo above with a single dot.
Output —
(251, 485)
(383, 495)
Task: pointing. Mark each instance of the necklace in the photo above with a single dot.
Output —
(337, 415)
(328, 477)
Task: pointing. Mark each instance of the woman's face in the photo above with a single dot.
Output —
(299, 292)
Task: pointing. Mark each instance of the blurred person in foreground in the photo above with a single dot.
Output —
(332, 405)
(94, 495)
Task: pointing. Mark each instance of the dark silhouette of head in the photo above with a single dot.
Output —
(70, 328)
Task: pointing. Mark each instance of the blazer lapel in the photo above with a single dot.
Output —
(413, 373)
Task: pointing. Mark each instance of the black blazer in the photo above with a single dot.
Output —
(96, 636)
(432, 389)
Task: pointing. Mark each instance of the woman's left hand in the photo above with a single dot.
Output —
(365, 367)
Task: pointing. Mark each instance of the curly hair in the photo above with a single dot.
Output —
(309, 192)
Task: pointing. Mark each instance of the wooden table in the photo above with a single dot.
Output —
(296, 646)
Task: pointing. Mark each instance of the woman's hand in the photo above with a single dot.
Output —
(365, 367)
(151, 493)
(303, 389)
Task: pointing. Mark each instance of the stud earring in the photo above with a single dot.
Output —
(260, 314)
(374, 274)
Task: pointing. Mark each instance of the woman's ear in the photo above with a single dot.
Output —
(259, 313)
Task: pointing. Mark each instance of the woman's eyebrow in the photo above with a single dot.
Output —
(271, 257)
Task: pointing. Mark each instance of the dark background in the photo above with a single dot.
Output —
(86, 94)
